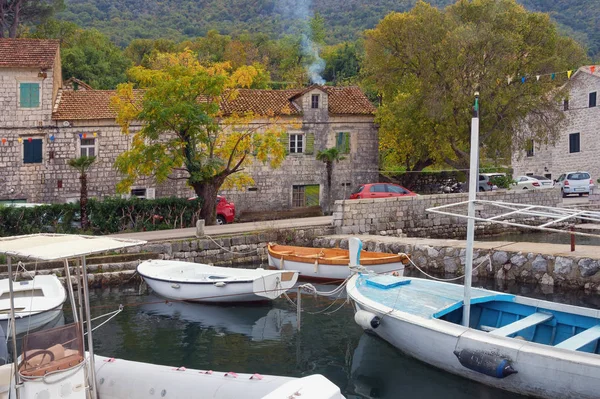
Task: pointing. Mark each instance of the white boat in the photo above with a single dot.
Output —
(37, 302)
(527, 346)
(197, 282)
(331, 264)
(260, 323)
(54, 362)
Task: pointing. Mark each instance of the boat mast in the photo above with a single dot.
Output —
(473, 186)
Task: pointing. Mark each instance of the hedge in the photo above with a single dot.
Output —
(108, 216)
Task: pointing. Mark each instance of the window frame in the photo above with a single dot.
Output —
(298, 196)
(293, 142)
(343, 145)
(23, 154)
(315, 101)
(572, 148)
(93, 146)
(530, 151)
(19, 98)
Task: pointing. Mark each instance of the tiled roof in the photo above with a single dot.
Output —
(34, 53)
(94, 104)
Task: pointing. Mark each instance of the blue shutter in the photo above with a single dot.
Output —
(34, 95)
(32, 151)
(25, 95)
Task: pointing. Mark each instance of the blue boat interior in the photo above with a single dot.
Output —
(495, 313)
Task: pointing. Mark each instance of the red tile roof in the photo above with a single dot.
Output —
(94, 104)
(24, 53)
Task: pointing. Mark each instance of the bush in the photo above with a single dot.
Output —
(113, 215)
(502, 181)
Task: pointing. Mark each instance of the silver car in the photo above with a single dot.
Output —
(574, 183)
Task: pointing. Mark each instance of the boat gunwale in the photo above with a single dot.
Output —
(376, 258)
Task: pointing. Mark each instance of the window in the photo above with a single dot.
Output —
(29, 95)
(578, 176)
(592, 101)
(377, 188)
(305, 195)
(529, 148)
(314, 101)
(342, 142)
(566, 104)
(574, 143)
(138, 192)
(88, 147)
(296, 143)
(32, 151)
(396, 189)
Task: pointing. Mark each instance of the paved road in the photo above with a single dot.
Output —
(234, 228)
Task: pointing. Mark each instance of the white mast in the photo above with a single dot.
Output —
(473, 185)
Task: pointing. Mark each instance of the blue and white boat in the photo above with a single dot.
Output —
(527, 346)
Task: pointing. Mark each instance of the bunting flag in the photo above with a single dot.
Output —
(3, 140)
(95, 134)
(52, 138)
(537, 77)
(569, 74)
(20, 139)
(80, 136)
(523, 79)
(593, 68)
(553, 75)
(29, 139)
(509, 79)
(84, 135)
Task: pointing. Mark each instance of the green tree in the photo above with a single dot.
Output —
(14, 13)
(329, 156)
(342, 63)
(55, 29)
(427, 63)
(185, 134)
(82, 165)
(94, 59)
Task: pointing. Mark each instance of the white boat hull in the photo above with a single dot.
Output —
(123, 379)
(34, 322)
(542, 371)
(193, 282)
(325, 272)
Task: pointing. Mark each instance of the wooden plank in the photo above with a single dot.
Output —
(580, 340)
(529, 321)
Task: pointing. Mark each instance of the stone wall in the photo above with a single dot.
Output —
(407, 215)
(449, 260)
(556, 159)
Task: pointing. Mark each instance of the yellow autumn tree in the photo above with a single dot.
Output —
(186, 131)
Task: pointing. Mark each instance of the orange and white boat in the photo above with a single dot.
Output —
(327, 264)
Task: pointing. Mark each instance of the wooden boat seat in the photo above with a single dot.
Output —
(529, 321)
(580, 340)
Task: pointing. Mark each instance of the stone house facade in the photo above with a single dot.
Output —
(578, 147)
(45, 122)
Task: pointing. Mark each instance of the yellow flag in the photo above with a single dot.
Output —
(569, 74)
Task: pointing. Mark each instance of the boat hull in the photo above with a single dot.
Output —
(327, 272)
(33, 322)
(185, 281)
(543, 372)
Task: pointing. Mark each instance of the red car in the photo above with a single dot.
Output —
(380, 190)
(225, 210)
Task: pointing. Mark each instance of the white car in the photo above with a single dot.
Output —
(533, 182)
(575, 183)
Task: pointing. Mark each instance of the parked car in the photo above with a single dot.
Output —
(533, 182)
(575, 183)
(485, 183)
(380, 190)
(225, 210)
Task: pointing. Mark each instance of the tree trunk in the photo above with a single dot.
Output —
(329, 168)
(15, 23)
(208, 192)
(83, 201)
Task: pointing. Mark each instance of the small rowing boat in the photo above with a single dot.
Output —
(327, 264)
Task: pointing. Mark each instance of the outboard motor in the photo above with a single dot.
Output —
(354, 247)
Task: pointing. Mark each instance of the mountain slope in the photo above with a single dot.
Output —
(124, 20)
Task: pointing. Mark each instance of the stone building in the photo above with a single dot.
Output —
(578, 147)
(45, 122)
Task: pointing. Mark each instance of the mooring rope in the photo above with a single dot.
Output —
(487, 257)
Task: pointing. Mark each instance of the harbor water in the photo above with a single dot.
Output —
(264, 339)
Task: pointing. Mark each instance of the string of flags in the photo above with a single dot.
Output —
(553, 75)
(51, 138)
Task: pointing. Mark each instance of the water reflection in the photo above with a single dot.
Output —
(259, 322)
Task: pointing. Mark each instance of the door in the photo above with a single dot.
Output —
(378, 191)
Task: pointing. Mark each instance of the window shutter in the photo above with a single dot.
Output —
(34, 95)
(592, 102)
(285, 141)
(36, 149)
(346, 143)
(339, 141)
(25, 99)
(310, 143)
(27, 153)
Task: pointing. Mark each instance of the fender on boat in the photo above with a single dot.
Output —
(485, 363)
(367, 320)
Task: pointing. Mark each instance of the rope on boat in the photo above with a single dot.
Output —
(111, 314)
(487, 257)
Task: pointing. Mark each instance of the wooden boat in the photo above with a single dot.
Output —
(326, 264)
(54, 362)
(37, 302)
(197, 282)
